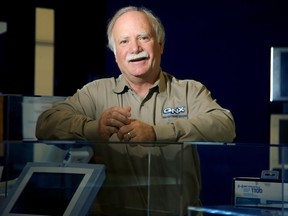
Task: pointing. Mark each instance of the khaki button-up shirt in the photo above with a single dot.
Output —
(179, 111)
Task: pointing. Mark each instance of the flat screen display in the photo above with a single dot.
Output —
(59, 189)
(279, 135)
(50, 189)
(279, 74)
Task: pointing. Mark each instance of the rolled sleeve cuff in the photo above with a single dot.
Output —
(165, 133)
(91, 130)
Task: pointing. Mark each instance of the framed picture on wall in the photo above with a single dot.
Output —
(279, 74)
(279, 135)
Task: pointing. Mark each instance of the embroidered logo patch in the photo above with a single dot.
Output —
(178, 112)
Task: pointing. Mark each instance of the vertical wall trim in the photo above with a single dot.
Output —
(44, 52)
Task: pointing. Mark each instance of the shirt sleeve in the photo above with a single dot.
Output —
(73, 118)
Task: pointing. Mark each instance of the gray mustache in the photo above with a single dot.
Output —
(131, 57)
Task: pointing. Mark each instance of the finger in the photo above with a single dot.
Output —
(112, 129)
(124, 130)
(126, 136)
(125, 111)
(117, 121)
(119, 118)
(129, 136)
(121, 136)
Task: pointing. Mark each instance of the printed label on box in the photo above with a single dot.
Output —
(260, 193)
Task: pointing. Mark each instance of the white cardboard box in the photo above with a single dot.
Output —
(256, 192)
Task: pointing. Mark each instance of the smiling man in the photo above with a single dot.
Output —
(144, 104)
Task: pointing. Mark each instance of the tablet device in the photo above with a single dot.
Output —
(54, 189)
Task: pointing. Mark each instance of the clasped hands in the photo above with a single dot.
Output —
(118, 120)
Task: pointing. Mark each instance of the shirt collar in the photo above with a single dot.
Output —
(122, 84)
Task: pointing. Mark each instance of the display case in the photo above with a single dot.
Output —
(135, 183)
(160, 180)
(147, 178)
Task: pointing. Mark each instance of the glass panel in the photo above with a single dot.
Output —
(150, 178)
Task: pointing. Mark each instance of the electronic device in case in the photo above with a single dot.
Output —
(54, 189)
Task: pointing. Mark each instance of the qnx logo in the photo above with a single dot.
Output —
(174, 112)
(177, 110)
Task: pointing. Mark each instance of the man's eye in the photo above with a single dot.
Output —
(144, 38)
(123, 41)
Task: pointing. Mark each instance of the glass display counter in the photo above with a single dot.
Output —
(145, 178)
(159, 184)
(138, 178)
